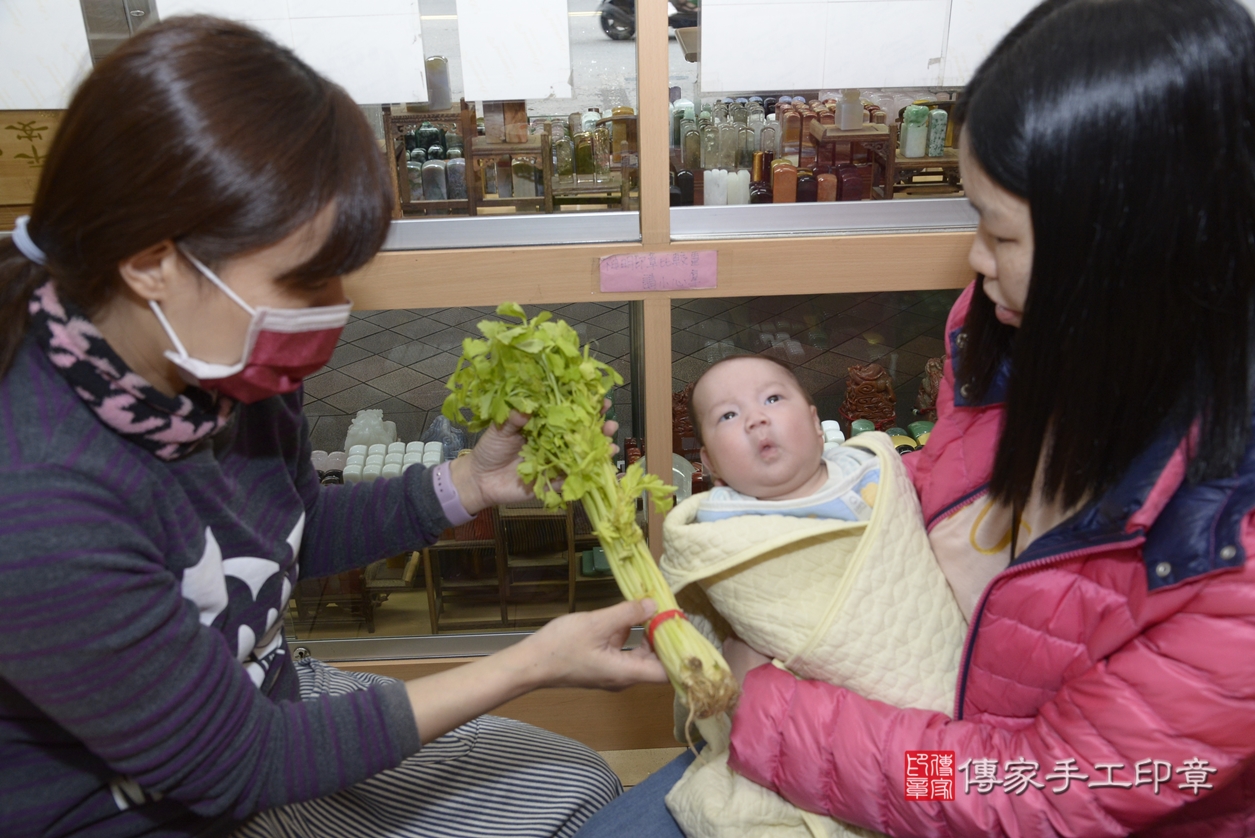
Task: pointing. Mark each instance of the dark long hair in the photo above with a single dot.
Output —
(1129, 127)
(204, 132)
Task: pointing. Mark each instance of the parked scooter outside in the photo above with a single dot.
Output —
(618, 17)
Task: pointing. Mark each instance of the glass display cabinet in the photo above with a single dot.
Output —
(526, 200)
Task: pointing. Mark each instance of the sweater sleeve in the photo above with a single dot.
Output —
(99, 639)
(1169, 695)
(354, 524)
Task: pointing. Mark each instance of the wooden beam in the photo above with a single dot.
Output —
(653, 52)
(551, 275)
(657, 390)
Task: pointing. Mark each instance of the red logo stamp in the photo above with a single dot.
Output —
(929, 775)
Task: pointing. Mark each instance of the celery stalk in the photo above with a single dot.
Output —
(537, 367)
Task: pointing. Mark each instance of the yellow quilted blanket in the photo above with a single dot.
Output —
(860, 604)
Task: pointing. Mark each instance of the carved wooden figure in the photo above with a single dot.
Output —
(869, 395)
(926, 398)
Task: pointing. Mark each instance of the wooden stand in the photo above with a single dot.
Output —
(617, 191)
(480, 535)
(535, 572)
(872, 138)
(478, 151)
(893, 174)
(537, 145)
(396, 126)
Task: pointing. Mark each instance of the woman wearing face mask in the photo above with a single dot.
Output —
(178, 275)
(1089, 487)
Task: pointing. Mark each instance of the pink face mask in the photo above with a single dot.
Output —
(283, 345)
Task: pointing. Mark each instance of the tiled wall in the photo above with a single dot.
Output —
(398, 360)
(826, 335)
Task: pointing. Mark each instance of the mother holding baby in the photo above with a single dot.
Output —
(1089, 488)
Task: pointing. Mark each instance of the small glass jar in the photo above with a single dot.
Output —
(602, 153)
(564, 161)
(523, 171)
(585, 171)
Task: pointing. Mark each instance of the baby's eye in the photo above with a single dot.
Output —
(728, 415)
(772, 399)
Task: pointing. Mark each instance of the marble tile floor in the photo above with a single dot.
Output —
(398, 361)
(819, 336)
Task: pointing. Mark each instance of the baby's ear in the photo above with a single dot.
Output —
(714, 478)
(819, 428)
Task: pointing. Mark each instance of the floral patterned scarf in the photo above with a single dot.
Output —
(169, 426)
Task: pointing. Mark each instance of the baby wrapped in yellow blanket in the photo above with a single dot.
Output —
(862, 604)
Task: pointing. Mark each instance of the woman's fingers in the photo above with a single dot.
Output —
(586, 649)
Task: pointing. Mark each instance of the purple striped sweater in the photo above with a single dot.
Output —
(145, 684)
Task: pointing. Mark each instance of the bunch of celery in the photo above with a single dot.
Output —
(538, 368)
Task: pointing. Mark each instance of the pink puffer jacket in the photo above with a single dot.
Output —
(1120, 646)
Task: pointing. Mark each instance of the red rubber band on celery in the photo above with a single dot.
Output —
(658, 619)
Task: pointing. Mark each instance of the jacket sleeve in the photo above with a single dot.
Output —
(99, 639)
(1170, 695)
(354, 524)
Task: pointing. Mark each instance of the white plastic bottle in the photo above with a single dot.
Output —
(851, 110)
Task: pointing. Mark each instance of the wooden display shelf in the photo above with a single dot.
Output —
(532, 562)
(431, 207)
(609, 194)
(821, 133)
(888, 167)
(473, 590)
(547, 568)
(474, 148)
(537, 145)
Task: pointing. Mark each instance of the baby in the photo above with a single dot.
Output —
(763, 447)
(821, 562)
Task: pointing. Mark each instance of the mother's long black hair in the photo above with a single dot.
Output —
(1129, 127)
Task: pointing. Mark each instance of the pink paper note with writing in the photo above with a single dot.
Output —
(684, 271)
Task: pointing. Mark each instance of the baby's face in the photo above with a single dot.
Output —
(760, 435)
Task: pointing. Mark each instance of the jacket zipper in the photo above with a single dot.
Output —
(960, 504)
(978, 614)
